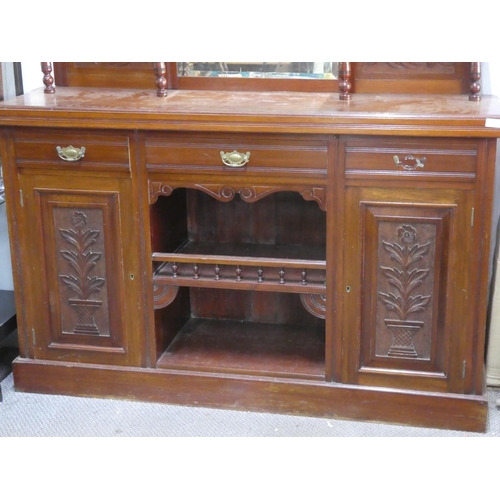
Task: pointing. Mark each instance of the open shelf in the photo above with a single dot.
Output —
(230, 346)
(239, 287)
(284, 268)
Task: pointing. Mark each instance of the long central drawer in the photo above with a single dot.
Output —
(243, 153)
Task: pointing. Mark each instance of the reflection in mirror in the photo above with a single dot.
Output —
(309, 70)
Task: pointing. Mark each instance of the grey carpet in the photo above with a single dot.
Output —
(32, 415)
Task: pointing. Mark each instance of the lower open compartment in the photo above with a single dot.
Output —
(240, 332)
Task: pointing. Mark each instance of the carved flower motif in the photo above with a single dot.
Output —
(81, 258)
(403, 277)
(406, 234)
(79, 219)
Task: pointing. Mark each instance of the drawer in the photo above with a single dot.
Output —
(102, 150)
(410, 156)
(268, 155)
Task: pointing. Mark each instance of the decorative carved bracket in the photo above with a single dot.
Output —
(157, 189)
(227, 193)
(316, 194)
(164, 295)
(315, 304)
(249, 194)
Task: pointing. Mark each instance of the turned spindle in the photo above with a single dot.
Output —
(217, 272)
(48, 80)
(238, 273)
(161, 80)
(196, 268)
(345, 81)
(303, 275)
(475, 86)
(260, 274)
(282, 276)
(174, 270)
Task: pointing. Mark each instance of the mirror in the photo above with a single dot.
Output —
(286, 70)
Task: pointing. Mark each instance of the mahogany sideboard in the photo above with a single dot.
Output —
(284, 252)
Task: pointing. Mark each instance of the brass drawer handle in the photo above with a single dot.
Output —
(419, 162)
(71, 153)
(235, 159)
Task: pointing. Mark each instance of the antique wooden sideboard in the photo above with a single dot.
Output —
(269, 250)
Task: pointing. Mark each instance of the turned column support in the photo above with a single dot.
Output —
(475, 77)
(48, 79)
(345, 81)
(160, 69)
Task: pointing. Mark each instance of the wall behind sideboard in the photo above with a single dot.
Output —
(490, 83)
(7, 91)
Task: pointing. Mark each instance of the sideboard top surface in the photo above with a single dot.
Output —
(293, 112)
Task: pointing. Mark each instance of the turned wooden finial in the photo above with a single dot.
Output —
(48, 80)
(161, 80)
(345, 81)
(475, 86)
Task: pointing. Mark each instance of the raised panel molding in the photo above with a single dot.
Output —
(80, 258)
(82, 267)
(406, 69)
(405, 261)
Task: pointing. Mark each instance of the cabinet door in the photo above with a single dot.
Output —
(409, 307)
(83, 280)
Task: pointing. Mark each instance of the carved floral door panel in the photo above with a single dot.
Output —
(400, 327)
(81, 271)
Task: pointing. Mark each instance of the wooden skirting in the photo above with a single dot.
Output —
(234, 392)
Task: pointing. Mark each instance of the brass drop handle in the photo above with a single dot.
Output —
(419, 162)
(235, 159)
(71, 153)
